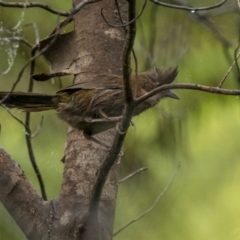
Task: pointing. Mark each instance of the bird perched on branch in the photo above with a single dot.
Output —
(95, 106)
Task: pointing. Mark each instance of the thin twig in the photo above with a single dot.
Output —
(29, 136)
(126, 24)
(38, 128)
(153, 205)
(33, 159)
(14, 117)
(229, 70)
(208, 23)
(36, 4)
(120, 16)
(191, 9)
(69, 13)
(140, 170)
(26, 65)
(34, 25)
(236, 52)
(18, 39)
(60, 25)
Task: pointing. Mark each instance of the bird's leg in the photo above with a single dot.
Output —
(113, 118)
(105, 116)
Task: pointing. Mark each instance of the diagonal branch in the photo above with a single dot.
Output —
(236, 56)
(140, 170)
(33, 5)
(191, 9)
(161, 194)
(185, 86)
(126, 24)
(20, 198)
(46, 7)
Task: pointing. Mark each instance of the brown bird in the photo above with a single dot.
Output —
(95, 106)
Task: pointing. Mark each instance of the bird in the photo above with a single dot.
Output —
(96, 105)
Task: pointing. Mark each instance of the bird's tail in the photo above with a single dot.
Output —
(31, 102)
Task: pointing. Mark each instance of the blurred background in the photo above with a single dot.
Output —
(199, 132)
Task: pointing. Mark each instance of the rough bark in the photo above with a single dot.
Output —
(21, 200)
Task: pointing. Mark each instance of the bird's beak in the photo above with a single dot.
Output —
(171, 94)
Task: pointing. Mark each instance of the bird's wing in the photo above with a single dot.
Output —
(100, 82)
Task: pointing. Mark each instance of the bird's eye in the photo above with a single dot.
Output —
(154, 79)
(155, 82)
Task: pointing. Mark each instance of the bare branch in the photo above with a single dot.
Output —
(125, 122)
(207, 23)
(48, 8)
(41, 77)
(185, 86)
(60, 25)
(34, 25)
(153, 205)
(236, 52)
(27, 119)
(38, 128)
(216, 33)
(26, 65)
(191, 9)
(21, 199)
(30, 149)
(28, 137)
(32, 5)
(140, 170)
(120, 16)
(124, 25)
(36, 4)
(230, 69)
(14, 117)
(126, 60)
(33, 159)
(133, 52)
(18, 39)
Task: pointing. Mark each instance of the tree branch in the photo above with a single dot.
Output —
(20, 198)
(28, 136)
(126, 119)
(153, 205)
(185, 86)
(124, 25)
(192, 9)
(46, 7)
(140, 170)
